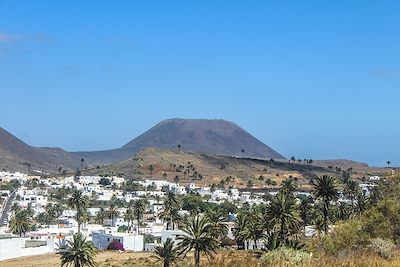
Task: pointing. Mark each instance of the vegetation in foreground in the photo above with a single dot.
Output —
(362, 231)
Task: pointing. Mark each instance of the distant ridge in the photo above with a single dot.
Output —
(14, 153)
(212, 137)
(218, 137)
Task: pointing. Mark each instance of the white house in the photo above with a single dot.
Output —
(219, 194)
(154, 229)
(36, 201)
(117, 180)
(130, 242)
(177, 189)
(86, 180)
(8, 176)
(204, 191)
(234, 194)
(159, 184)
(374, 178)
(172, 234)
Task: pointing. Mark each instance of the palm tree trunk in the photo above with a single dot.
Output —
(79, 222)
(197, 257)
(326, 217)
(282, 233)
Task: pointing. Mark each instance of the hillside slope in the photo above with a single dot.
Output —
(210, 169)
(14, 153)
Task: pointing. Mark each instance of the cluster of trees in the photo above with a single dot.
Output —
(371, 217)
(279, 223)
(188, 170)
(306, 161)
(203, 234)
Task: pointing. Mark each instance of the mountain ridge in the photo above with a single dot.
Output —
(217, 137)
(15, 152)
(214, 136)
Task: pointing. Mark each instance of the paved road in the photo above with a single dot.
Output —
(6, 209)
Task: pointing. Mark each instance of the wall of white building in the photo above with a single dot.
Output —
(15, 247)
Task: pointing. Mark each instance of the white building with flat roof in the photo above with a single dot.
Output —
(130, 242)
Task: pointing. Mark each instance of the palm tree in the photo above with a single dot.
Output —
(254, 228)
(351, 190)
(219, 227)
(281, 213)
(82, 161)
(170, 212)
(305, 210)
(197, 237)
(77, 252)
(20, 223)
(79, 202)
(172, 217)
(288, 186)
(271, 162)
(167, 254)
(64, 173)
(112, 212)
(388, 163)
(54, 212)
(29, 168)
(343, 211)
(362, 203)
(51, 214)
(325, 189)
(151, 169)
(101, 215)
(15, 207)
(139, 208)
(240, 227)
(129, 217)
(319, 224)
(29, 210)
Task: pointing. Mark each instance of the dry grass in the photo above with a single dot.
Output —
(103, 259)
(357, 259)
(223, 259)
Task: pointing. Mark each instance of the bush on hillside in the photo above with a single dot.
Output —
(383, 220)
(383, 248)
(285, 257)
(116, 246)
(346, 236)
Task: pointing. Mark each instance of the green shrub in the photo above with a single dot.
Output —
(285, 256)
(383, 220)
(345, 236)
(122, 229)
(383, 248)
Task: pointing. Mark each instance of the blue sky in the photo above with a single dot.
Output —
(313, 79)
